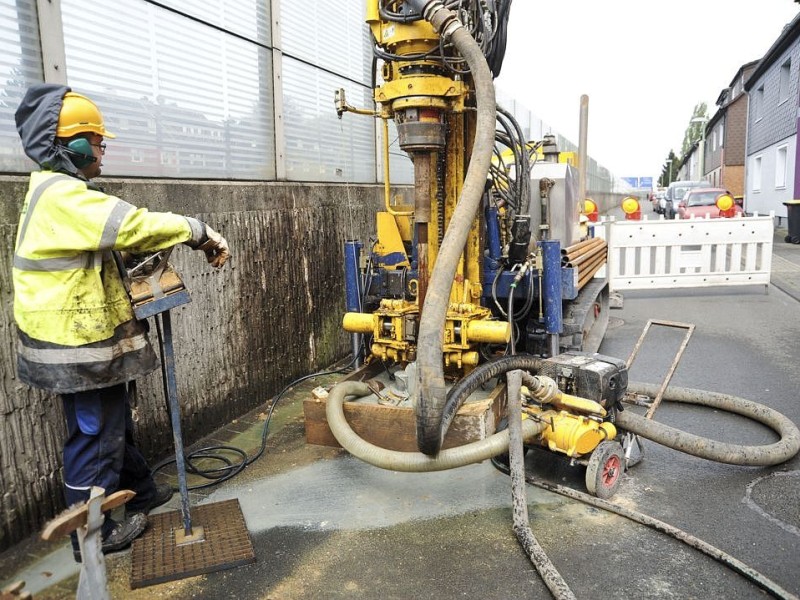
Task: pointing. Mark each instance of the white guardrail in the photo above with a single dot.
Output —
(657, 254)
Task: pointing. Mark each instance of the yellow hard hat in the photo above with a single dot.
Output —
(79, 115)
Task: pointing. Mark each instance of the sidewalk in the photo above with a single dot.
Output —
(786, 265)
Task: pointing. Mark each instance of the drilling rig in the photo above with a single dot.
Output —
(492, 257)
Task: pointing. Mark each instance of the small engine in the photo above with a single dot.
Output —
(603, 379)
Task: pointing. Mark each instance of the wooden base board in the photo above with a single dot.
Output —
(394, 428)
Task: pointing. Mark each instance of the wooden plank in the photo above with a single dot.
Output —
(394, 428)
(76, 516)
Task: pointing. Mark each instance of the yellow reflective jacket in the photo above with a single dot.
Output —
(67, 288)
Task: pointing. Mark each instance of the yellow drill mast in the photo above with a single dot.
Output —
(433, 108)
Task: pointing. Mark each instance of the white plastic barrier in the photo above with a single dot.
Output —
(654, 254)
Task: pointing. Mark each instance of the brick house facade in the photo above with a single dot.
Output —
(726, 135)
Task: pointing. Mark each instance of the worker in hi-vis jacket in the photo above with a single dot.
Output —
(77, 333)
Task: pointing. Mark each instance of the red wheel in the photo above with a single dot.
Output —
(604, 473)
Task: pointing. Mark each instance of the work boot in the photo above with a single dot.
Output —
(121, 535)
(162, 495)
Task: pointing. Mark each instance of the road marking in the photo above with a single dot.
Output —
(748, 500)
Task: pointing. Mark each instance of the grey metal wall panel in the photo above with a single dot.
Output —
(320, 146)
(20, 66)
(248, 18)
(194, 105)
(330, 35)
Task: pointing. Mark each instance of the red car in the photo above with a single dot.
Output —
(714, 202)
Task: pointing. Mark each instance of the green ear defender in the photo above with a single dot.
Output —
(80, 151)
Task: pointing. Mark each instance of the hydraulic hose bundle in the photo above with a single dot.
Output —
(487, 23)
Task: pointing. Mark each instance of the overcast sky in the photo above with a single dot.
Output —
(643, 64)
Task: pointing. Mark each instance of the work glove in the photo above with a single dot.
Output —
(216, 248)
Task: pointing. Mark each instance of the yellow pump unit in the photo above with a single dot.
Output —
(577, 428)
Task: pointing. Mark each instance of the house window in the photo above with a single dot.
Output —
(780, 168)
(758, 105)
(721, 134)
(783, 95)
(714, 141)
(757, 174)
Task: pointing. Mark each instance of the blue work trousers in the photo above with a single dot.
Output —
(100, 450)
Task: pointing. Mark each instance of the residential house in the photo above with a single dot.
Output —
(772, 176)
(689, 168)
(726, 134)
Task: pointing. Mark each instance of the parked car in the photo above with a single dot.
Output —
(699, 202)
(656, 200)
(675, 193)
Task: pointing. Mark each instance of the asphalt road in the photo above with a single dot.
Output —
(327, 526)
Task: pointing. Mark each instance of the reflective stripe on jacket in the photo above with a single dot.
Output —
(123, 357)
(67, 289)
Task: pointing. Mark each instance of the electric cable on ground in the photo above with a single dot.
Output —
(216, 453)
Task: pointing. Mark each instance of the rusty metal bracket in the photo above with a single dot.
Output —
(689, 327)
(631, 440)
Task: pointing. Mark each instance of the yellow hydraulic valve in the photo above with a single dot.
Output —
(394, 326)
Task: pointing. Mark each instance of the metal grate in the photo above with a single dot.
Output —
(156, 558)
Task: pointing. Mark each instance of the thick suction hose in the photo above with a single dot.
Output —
(415, 462)
(724, 558)
(431, 385)
(522, 527)
(772, 454)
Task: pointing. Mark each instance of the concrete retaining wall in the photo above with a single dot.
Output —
(272, 314)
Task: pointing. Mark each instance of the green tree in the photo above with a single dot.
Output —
(695, 130)
(669, 170)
